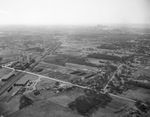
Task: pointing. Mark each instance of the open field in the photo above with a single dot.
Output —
(65, 97)
(143, 70)
(4, 71)
(10, 106)
(69, 50)
(115, 108)
(45, 109)
(56, 75)
(48, 66)
(43, 83)
(140, 94)
(62, 59)
(53, 67)
(27, 77)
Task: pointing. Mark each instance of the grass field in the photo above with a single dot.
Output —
(48, 66)
(45, 109)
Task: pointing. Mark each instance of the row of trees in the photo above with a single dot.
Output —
(139, 84)
(109, 57)
(0, 62)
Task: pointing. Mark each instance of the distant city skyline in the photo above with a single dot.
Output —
(74, 12)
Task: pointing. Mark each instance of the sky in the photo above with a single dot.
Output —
(74, 12)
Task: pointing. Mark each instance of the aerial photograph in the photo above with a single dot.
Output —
(74, 58)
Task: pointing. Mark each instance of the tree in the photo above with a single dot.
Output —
(86, 102)
(1, 59)
(25, 101)
(0, 62)
(141, 106)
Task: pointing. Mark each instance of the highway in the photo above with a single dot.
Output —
(19, 74)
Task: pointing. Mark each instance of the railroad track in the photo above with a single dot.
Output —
(18, 75)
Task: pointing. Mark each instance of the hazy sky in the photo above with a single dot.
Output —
(74, 12)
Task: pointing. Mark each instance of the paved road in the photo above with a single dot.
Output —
(83, 87)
